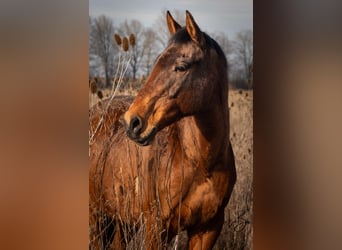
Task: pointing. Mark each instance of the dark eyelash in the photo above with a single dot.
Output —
(181, 68)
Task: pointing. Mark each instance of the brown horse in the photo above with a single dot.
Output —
(175, 171)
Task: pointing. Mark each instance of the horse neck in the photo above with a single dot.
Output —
(205, 136)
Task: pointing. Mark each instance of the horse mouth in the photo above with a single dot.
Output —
(146, 140)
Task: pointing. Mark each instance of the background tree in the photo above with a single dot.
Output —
(101, 44)
(243, 54)
(151, 50)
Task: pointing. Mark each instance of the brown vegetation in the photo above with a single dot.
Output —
(132, 40)
(125, 44)
(237, 232)
(117, 39)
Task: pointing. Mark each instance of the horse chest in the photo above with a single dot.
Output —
(174, 183)
(187, 194)
(199, 205)
(202, 202)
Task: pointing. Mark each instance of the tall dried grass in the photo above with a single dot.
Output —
(123, 62)
(237, 232)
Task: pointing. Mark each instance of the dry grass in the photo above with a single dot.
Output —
(237, 230)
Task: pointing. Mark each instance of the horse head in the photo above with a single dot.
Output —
(182, 82)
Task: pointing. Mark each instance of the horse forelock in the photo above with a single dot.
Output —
(182, 37)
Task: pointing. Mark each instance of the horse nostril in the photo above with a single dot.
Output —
(135, 125)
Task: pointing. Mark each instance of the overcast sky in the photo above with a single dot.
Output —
(228, 16)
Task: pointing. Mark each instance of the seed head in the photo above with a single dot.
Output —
(132, 40)
(117, 39)
(125, 44)
(93, 87)
(99, 94)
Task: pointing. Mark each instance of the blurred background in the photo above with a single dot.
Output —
(230, 23)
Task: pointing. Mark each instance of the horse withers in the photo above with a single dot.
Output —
(175, 169)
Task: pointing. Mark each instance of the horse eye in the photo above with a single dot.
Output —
(181, 68)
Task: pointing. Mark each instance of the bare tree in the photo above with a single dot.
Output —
(101, 44)
(243, 50)
(151, 50)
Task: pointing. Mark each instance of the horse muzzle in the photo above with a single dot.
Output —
(134, 130)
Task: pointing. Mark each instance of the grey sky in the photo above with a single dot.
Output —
(228, 16)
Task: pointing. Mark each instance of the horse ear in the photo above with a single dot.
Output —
(193, 30)
(171, 23)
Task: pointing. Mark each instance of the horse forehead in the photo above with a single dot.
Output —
(175, 50)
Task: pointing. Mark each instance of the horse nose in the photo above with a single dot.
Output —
(135, 126)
